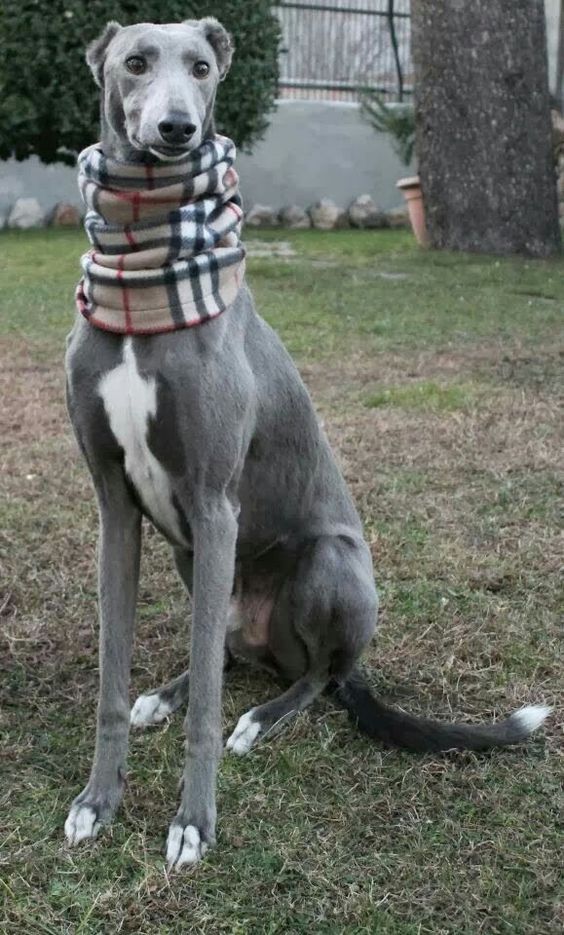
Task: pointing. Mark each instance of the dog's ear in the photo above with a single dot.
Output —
(219, 39)
(96, 51)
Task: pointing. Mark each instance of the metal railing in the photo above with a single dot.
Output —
(332, 50)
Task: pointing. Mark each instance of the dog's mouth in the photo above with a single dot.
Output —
(163, 152)
(169, 153)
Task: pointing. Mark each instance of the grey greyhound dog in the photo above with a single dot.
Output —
(210, 433)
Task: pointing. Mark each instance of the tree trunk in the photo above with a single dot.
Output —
(483, 125)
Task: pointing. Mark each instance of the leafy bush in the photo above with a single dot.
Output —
(397, 120)
(48, 100)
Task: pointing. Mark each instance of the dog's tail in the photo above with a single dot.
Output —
(398, 729)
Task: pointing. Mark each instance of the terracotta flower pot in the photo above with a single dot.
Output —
(411, 189)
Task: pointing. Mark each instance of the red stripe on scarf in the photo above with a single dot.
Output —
(132, 198)
(124, 298)
(158, 329)
(236, 210)
(130, 238)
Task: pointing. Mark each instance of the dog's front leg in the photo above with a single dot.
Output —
(193, 829)
(120, 546)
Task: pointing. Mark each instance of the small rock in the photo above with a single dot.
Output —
(64, 215)
(364, 212)
(398, 217)
(325, 214)
(26, 213)
(294, 217)
(261, 216)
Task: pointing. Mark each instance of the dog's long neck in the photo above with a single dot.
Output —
(176, 229)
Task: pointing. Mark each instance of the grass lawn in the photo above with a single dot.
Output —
(439, 379)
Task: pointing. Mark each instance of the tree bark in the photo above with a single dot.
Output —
(483, 125)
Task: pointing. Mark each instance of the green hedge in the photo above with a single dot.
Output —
(48, 99)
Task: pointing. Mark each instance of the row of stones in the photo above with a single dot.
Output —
(27, 213)
(326, 215)
(323, 215)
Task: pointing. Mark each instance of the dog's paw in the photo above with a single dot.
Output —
(184, 845)
(90, 811)
(148, 710)
(82, 823)
(245, 734)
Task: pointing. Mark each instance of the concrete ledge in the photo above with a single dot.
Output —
(320, 149)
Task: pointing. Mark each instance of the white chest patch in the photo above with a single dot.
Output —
(129, 401)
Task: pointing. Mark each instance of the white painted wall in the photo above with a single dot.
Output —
(31, 179)
(316, 149)
(554, 27)
(312, 149)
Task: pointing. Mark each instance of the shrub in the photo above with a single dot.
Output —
(397, 120)
(49, 103)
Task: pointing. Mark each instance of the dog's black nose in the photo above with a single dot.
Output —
(176, 128)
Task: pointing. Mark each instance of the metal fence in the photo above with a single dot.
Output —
(331, 50)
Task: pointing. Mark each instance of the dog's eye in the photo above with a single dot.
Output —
(201, 70)
(136, 65)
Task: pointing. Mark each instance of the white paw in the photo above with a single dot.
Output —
(82, 823)
(149, 709)
(244, 735)
(184, 846)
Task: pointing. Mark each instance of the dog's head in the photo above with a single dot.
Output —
(159, 82)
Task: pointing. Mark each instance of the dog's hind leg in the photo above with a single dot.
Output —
(120, 546)
(324, 616)
(272, 716)
(155, 706)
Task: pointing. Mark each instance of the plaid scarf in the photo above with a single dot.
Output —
(166, 250)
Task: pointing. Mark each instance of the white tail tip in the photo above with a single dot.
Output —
(532, 716)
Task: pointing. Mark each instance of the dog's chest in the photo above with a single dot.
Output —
(130, 402)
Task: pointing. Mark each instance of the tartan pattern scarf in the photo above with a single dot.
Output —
(166, 252)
